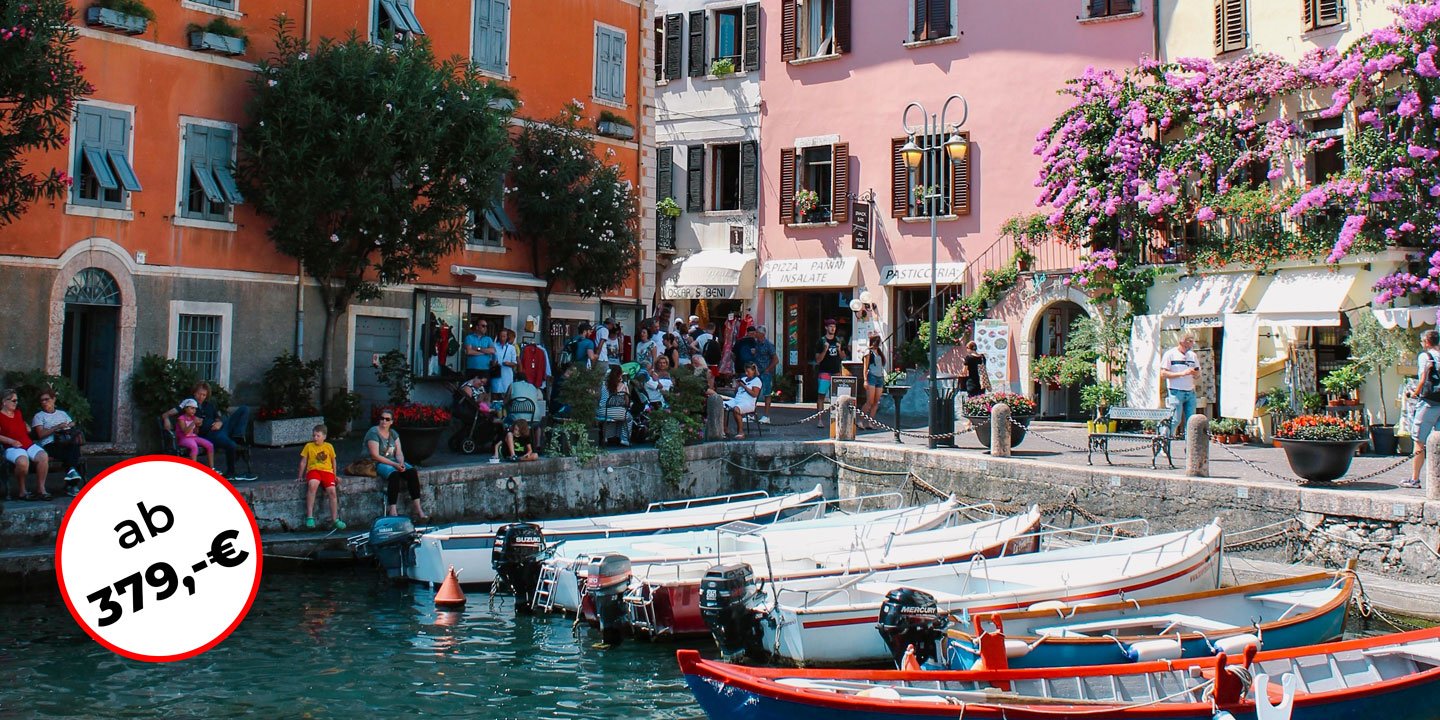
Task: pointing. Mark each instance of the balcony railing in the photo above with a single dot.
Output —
(664, 234)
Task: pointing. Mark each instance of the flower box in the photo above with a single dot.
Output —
(286, 431)
(211, 42)
(115, 20)
(615, 130)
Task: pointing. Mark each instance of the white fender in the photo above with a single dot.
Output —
(1016, 648)
(1263, 709)
(1166, 649)
(1235, 645)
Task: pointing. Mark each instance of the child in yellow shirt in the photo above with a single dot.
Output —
(317, 467)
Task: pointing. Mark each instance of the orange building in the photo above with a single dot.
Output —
(156, 251)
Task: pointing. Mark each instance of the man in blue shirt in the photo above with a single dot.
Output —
(765, 357)
(582, 348)
(479, 350)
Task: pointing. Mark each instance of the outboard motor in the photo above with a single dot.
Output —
(727, 595)
(392, 542)
(516, 560)
(606, 582)
(911, 617)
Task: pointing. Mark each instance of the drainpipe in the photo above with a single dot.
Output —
(309, 5)
(1155, 5)
(300, 299)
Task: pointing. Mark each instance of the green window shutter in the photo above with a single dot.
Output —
(228, 186)
(674, 41)
(123, 171)
(95, 158)
(698, 66)
(695, 178)
(116, 137)
(752, 36)
(665, 172)
(749, 175)
(200, 171)
(407, 12)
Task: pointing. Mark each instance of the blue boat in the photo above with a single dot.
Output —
(1273, 615)
(1363, 679)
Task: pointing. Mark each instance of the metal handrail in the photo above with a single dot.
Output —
(712, 499)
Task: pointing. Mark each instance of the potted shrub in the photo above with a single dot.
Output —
(287, 412)
(668, 207)
(218, 36)
(615, 126)
(1046, 370)
(1276, 404)
(1099, 398)
(1342, 382)
(1319, 447)
(723, 67)
(127, 16)
(807, 205)
(977, 411)
(340, 411)
(420, 425)
(1376, 349)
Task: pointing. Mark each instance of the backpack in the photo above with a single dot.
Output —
(572, 346)
(1430, 384)
(712, 351)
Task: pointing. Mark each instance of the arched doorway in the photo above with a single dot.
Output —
(89, 345)
(1051, 335)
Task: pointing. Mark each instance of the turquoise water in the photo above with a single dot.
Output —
(340, 644)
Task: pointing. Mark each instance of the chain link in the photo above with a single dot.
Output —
(801, 421)
(1300, 481)
(911, 433)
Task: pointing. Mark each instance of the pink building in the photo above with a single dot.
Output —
(836, 78)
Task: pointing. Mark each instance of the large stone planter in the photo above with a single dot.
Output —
(419, 443)
(1320, 460)
(981, 424)
(287, 431)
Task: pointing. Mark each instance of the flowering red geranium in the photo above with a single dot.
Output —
(1320, 427)
(981, 404)
(414, 414)
(268, 412)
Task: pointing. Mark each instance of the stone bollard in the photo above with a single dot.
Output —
(1197, 446)
(845, 417)
(1432, 467)
(715, 417)
(1000, 430)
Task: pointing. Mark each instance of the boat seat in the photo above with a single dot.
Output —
(1426, 653)
(1176, 622)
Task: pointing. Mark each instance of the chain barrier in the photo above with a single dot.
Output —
(911, 433)
(1266, 471)
(801, 421)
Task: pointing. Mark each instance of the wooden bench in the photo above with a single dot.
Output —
(1159, 442)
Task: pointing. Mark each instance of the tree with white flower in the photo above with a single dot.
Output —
(585, 247)
(368, 160)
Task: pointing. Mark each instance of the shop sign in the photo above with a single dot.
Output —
(815, 272)
(860, 225)
(919, 274)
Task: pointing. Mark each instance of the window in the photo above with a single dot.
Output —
(1230, 31)
(725, 175)
(219, 4)
(814, 28)
(492, 24)
(818, 18)
(438, 330)
(1109, 8)
(932, 19)
(728, 29)
(610, 64)
(488, 225)
(1326, 139)
(209, 190)
(949, 180)
(820, 169)
(197, 344)
(102, 157)
(1322, 13)
(394, 22)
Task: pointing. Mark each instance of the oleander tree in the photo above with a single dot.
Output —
(40, 80)
(369, 161)
(576, 209)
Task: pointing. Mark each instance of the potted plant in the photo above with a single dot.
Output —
(218, 36)
(616, 126)
(1023, 259)
(1046, 370)
(1312, 402)
(723, 67)
(1342, 382)
(668, 207)
(1319, 447)
(420, 425)
(1376, 349)
(1099, 398)
(1276, 404)
(127, 16)
(287, 413)
(977, 411)
(807, 204)
(340, 411)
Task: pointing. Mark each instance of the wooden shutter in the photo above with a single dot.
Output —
(1219, 26)
(960, 180)
(1098, 8)
(840, 182)
(939, 19)
(1329, 12)
(674, 41)
(899, 180)
(659, 49)
(842, 26)
(789, 19)
(921, 13)
(697, 44)
(752, 36)
(1230, 25)
(749, 175)
(695, 179)
(1307, 14)
(664, 173)
(787, 186)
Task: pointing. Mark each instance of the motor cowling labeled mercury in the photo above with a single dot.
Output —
(515, 556)
(728, 594)
(392, 542)
(606, 580)
(911, 617)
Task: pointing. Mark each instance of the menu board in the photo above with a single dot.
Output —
(992, 339)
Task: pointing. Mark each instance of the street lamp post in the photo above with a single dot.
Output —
(931, 128)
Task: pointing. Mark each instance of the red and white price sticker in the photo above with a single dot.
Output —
(158, 559)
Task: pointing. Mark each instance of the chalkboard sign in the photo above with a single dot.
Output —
(860, 225)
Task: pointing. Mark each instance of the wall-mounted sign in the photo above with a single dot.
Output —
(860, 225)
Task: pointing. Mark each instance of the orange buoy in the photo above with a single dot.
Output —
(450, 594)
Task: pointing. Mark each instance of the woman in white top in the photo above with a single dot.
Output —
(747, 390)
(659, 383)
(509, 359)
(646, 347)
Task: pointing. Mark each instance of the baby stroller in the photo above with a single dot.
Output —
(639, 407)
(479, 427)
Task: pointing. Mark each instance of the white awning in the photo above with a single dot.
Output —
(1203, 300)
(497, 277)
(810, 273)
(919, 274)
(1406, 317)
(1305, 298)
(710, 275)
